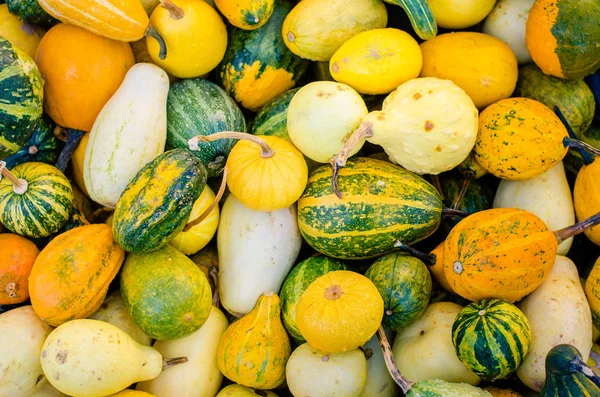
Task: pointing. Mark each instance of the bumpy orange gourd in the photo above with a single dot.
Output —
(81, 72)
(17, 255)
(502, 253)
(586, 196)
(70, 277)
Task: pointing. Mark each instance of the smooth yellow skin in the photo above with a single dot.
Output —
(377, 61)
(20, 34)
(321, 116)
(191, 241)
(586, 195)
(132, 393)
(243, 391)
(460, 14)
(246, 14)
(592, 291)
(311, 372)
(195, 43)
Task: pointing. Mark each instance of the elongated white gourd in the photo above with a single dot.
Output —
(130, 131)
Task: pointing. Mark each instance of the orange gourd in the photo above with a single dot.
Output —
(16, 260)
(586, 196)
(437, 268)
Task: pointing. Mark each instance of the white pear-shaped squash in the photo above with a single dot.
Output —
(130, 131)
(256, 251)
(379, 381)
(547, 195)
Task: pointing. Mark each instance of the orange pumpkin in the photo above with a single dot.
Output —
(71, 275)
(16, 260)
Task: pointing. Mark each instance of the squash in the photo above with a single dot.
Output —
(246, 14)
(296, 282)
(377, 61)
(254, 350)
(198, 106)
(558, 313)
(30, 11)
(566, 370)
(507, 22)
(91, 358)
(519, 138)
(491, 337)
(405, 286)
(560, 47)
(547, 195)
(70, 277)
(339, 311)
(21, 96)
(114, 311)
(497, 392)
(35, 199)
(243, 391)
(131, 393)
(16, 260)
(22, 35)
(129, 132)
(77, 162)
(437, 270)
(379, 382)
(455, 15)
(331, 374)
(201, 377)
(42, 147)
(440, 388)
(592, 292)
(271, 239)
(315, 30)
(594, 358)
(168, 185)
(449, 55)
(22, 336)
(194, 34)
(380, 206)
(167, 295)
(586, 197)
(252, 73)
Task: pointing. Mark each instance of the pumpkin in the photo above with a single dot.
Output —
(452, 14)
(560, 47)
(243, 391)
(42, 147)
(566, 370)
(70, 277)
(254, 350)
(30, 11)
(497, 392)
(339, 311)
(16, 260)
(22, 35)
(35, 199)
(586, 197)
(246, 14)
(592, 291)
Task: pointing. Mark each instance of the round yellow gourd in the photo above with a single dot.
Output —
(482, 65)
(460, 14)
(198, 236)
(377, 61)
(243, 391)
(20, 34)
(246, 14)
(195, 36)
(586, 197)
(339, 311)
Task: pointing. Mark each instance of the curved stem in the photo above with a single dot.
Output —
(587, 158)
(451, 212)
(171, 362)
(573, 230)
(151, 32)
(435, 181)
(212, 206)
(366, 351)
(578, 365)
(213, 273)
(174, 11)
(429, 259)
(19, 185)
(469, 176)
(582, 147)
(265, 150)
(390, 362)
(73, 139)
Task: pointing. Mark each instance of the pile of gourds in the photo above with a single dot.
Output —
(299, 198)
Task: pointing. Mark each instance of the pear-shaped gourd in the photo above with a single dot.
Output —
(567, 371)
(130, 131)
(91, 358)
(255, 349)
(243, 391)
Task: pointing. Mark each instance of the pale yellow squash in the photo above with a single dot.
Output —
(379, 382)
(246, 14)
(77, 163)
(460, 14)
(243, 391)
(22, 35)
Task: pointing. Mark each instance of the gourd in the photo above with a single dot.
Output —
(22, 35)
(377, 61)
(412, 131)
(22, 335)
(83, 358)
(405, 286)
(453, 15)
(592, 292)
(448, 55)
(437, 269)
(331, 374)
(560, 47)
(246, 14)
(129, 132)
(30, 11)
(558, 313)
(71, 275)
(194, 34)
(254, 350)
(586, 197)
(21, 88)
(16, 260)
(566, 370)
(168, 185)
(546, 195)
(42, 147)
(77, 162)
(315, 30)
(131, 393)
(339, 311)
(252, 73)
(379, 382)
(35, 199)
(48, 390)
(166, 294)
(243, 391)
(271, 239)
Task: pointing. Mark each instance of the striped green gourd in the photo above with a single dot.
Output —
(491, 337)
(297, 281)
(157, 203)
(567, 375)
(21, 98)
(31, 11)
(440, 388)
(43, 146)
(200, 107)
(382, 204)
(404, 283)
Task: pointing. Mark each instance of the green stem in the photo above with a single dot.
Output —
(151, 32)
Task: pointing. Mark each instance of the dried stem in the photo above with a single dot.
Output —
(469, 175)
(390, 362)
(265, 150)
(19, 185)
(364, 131)
(171, 362)
(174, 11)
(212, 206)
(11, 290)
(573, 230)
(429, 259)
(450, 212)
(583, 147)
(587, 158)
(73, 139)
(151, 32)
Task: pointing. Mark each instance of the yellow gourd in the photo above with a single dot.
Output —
(243, 391)
(20, 34)
(77, 162)
(437, 269)
(246, 14)
(592, 291)
(586, 197)
(339, 311)
(460, 14)
(132, 393)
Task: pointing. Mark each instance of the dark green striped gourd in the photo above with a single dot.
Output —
(297, 281)
(200, 107)
(567, 375)
(43, 146)
(21, 98)
(404, 283)
(157, 203)
(491, 337)
(382, 203)
(31, 11)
